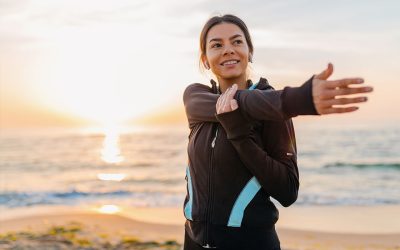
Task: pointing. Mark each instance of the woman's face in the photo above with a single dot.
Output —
(227, 53)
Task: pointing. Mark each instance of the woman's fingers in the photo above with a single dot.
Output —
(326, 94)
(332, 93)
(234, 105)
(218, 105)
(222, 102)
(343, 101)
(232, 91)
(226, 101)
(333, 110)
(233, 102)
(342, 83)
(351, 91)
(326, 73)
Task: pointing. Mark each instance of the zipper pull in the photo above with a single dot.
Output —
(208, 246)
(215, 138)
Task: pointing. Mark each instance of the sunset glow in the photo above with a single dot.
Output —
(68, 63)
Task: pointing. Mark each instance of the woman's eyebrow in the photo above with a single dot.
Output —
(219, 39)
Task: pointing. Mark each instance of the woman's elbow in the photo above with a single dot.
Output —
(291, 193)
(289, 199)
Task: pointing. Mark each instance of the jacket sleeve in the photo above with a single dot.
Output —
(277, 105)
(255, 104)
(277, 170)
(199, 104)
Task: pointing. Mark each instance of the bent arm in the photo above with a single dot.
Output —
(277, 170)
(199, 104)
(256, 104)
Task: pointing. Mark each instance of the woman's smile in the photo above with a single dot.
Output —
(230, 62)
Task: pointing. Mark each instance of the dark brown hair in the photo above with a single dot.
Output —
(223, 19)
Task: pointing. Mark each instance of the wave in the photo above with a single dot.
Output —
(74, 197)
(378, 165)
(164, 199)
(16, 199)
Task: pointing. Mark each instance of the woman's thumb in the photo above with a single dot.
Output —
(326, 73)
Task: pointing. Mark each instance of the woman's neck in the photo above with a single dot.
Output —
(224, 83)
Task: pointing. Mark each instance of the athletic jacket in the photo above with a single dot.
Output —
(238, 160)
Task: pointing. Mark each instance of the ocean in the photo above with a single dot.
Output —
(145, 167)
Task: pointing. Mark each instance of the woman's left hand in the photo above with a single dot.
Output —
(226, 102)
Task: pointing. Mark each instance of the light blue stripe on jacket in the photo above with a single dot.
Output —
(249, 191)
(188, 206)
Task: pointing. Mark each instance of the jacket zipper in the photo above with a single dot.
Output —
(210, 193)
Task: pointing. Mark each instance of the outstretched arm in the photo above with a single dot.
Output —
(317, 96)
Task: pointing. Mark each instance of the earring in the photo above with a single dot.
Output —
(250, 59)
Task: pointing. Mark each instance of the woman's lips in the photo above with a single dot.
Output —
(230, 65)
(230, 62)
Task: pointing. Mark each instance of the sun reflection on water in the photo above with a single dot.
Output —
(109, 209)
(110, 152)
(111, 177)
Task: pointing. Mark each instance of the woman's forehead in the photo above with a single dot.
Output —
(224, 31)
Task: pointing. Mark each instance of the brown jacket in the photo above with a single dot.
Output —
(238, 160)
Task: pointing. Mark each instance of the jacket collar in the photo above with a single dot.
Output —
(262, 85)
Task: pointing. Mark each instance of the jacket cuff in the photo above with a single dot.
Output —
(298, 100)
(235, 125)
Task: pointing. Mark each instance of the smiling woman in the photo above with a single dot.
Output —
(242, 148)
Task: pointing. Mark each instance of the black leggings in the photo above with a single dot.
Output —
(190, 244)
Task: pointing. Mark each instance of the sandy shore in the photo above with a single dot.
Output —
(162, 228)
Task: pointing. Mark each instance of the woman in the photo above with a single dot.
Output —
(242, 147)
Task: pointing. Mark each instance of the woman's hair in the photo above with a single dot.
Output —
(218, 20)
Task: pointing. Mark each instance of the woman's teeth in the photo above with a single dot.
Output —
(230, 63)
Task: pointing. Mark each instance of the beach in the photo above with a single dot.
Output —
(105, 191)
(162, 228)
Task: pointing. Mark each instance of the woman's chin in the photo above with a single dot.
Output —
(231, 75)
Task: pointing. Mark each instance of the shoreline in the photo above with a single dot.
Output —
(166, 224)
(382, 219)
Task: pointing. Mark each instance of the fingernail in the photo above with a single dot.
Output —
(368, 89)
(360, 80)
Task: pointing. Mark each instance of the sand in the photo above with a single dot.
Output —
(162, 228)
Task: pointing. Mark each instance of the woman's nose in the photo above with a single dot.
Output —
(229, 50)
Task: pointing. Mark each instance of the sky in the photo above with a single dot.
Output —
(73, 62)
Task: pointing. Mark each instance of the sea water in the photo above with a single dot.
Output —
(146, 167)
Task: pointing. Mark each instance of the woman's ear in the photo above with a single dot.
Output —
(250, 57)
(205, 62)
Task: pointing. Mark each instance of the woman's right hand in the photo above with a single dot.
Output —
(326, 93)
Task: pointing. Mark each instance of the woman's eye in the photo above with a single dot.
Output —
(238, 41)
(216, 45)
